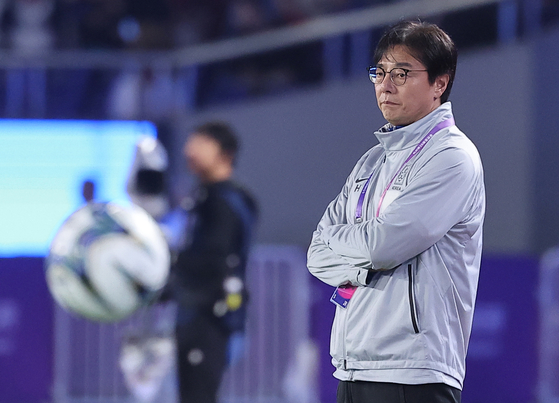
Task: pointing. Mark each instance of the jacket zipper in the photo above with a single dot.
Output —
(344, 352)
(412, 299)
(350, 371)
(344, 349)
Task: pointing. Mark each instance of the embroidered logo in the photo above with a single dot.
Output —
(359, 184)
(401, 178)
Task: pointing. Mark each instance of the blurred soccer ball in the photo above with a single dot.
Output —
(107, 260)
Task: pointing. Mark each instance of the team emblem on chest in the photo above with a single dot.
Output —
(401, 178)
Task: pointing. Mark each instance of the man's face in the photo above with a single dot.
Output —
(404, 104)
(203, 154)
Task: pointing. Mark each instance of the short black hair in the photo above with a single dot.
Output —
(223, 134)
(427, 43)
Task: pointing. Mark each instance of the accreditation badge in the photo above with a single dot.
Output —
(342, 295)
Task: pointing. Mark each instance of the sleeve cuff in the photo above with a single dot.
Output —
(364, 277)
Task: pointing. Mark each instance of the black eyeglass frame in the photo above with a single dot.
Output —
(372, 74)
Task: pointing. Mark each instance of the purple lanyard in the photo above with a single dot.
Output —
(417, 149)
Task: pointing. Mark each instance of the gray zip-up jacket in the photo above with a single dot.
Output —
(414, 256)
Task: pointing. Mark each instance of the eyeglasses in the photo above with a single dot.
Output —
(398, 75)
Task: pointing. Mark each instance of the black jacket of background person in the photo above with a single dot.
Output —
(219, 233)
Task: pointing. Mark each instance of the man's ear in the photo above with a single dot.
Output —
(228, 158)
(441, 83)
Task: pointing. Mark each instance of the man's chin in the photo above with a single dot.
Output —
(395, 120)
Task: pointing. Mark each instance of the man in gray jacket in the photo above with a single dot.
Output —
(402, 241)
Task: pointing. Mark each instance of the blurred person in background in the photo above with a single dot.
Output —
(402, 241)
(208, 276)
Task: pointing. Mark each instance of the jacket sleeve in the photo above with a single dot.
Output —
(324, 263)
(438, 197)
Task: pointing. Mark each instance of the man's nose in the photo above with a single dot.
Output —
(387, 85)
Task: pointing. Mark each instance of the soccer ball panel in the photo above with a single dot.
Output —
(107, 260)
(151, 247)
(71, 293)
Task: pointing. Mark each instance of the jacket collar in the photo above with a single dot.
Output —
(393, 139)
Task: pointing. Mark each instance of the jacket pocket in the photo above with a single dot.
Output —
(411, 296)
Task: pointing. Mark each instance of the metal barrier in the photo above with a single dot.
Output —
(548, 296)
(278, 358)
